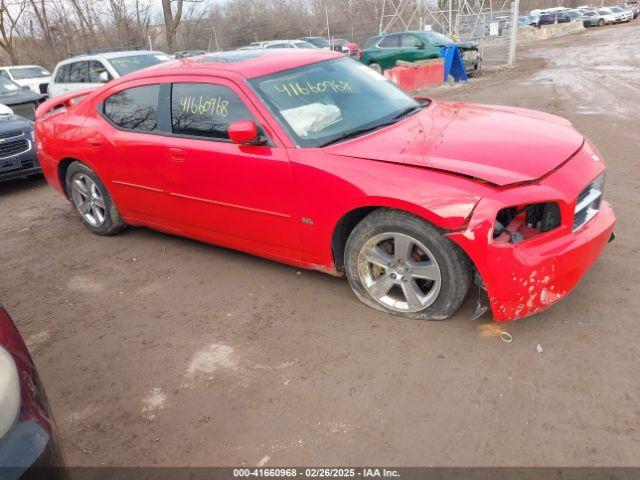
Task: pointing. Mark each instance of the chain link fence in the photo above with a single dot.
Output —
(492, 31)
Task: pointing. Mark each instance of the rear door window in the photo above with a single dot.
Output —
(392, 41)
(134, 108)
(79, 72)
(410, 41)
(205, 110)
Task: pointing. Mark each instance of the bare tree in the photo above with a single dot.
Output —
(171, 20)
(10, 13)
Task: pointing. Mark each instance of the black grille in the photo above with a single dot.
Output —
(13, 148)
(14, 133)
(43, 88)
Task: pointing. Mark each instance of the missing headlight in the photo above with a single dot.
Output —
(515, 224)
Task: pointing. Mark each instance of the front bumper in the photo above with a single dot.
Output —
(527, 277)
(21, 165)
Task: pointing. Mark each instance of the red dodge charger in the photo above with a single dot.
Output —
(312, 159)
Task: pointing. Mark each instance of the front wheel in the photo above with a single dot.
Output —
(91, 200)
(398, 263)
(601, 23)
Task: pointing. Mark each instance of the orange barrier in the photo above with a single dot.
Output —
(410, 78)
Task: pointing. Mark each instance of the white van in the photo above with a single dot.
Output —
(93, 70)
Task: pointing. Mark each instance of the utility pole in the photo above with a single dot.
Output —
(215, 37)
(515, 6)
(384, 4)
(326, 13)
(150, 42)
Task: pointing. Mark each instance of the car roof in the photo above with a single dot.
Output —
(109, 55)
(20, 66)
(248, 63)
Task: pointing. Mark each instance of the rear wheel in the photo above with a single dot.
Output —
(92, 201)
(400, 264)
(375, 67)
(601, 23)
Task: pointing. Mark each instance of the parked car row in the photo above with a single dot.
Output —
(337, 44)
(589, 16)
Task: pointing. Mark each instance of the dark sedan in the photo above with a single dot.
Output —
(29, 443)
(552, 18)
(17, 151)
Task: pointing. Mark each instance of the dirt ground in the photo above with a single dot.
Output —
(157, 350)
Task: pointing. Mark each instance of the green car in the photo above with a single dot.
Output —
(382, 52)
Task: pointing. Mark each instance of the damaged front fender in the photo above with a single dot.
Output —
(527, 276)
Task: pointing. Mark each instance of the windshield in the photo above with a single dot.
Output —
(28, 72)
(7, 86)
(131, 63)
(436, 38)
(323, 102)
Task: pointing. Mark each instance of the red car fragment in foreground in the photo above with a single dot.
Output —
(312, 159)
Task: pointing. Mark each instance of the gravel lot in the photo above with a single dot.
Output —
(157, 350)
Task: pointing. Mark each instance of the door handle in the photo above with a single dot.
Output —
(177, 155)
(95, 143)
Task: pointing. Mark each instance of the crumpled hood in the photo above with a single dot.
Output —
(501, 145)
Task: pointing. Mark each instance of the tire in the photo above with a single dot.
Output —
(436, 277)
(601, 23)
(376, 67)
(92, 201)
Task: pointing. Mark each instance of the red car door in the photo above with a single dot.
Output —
(235, 195)
(129, 153)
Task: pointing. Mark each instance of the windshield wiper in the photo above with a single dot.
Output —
(356, 133)
(407, 111)
(361, 131)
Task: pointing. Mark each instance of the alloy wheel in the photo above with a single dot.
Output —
(399, 272)
(88, 200)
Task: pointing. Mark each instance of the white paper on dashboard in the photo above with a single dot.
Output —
(311, 118)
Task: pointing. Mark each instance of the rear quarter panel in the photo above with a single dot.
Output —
(57, 135)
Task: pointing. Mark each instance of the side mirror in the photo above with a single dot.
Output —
(245, 132)
(104, 76)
